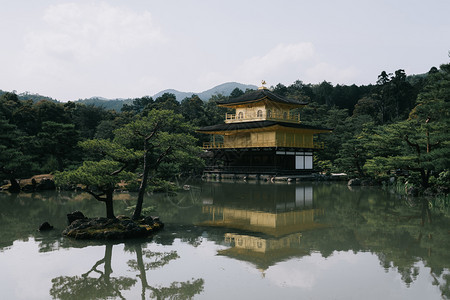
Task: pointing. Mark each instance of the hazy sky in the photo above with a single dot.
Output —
(131, 48)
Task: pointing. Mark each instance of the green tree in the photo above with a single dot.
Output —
(420, 144)
(157, 137)
(25, 118)
(162, 136)
(236, 93)
(15, 161)
(138, 105)
(100, 178)
(334, 118)
(165, 101)
(403, 93)
(58, 141)
(9, 102)
(215, 114)
(86, 118)
(193, 110)
(323, 93)
(395, 94)
(370, 107)
(347, 96)
(105, 130)
(352, 154)
(51, 111)
(281, 90)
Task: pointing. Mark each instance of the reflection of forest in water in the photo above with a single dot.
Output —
(296, 220)
(263, 224)
(400, 231)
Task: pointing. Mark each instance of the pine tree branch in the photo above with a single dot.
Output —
(162, 156)
(119, 170)
(96, 196)
(413, 145)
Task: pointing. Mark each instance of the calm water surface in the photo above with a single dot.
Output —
(233, 241)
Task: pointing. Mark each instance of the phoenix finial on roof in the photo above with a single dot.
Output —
(263, 82)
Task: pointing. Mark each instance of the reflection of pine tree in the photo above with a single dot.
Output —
(176, 290)
(87, 287)
(179, 290)
(158, 259)
(445, 288)
(409, 274)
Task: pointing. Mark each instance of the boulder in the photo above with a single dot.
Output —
(76, 215)
(45, 226)
(354, 182)
(28, 188)
(149, 220)
(37, 183)
(45, 184)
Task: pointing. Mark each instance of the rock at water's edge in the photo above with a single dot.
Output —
(73, 216)
(45, 226)
(354, 182)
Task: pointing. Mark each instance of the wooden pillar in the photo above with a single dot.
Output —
(275, 159)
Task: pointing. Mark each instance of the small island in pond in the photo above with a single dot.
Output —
(121, 227)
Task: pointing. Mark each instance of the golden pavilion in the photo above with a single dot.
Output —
(263, 136)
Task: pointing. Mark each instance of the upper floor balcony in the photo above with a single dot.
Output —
(262, 116)
(248, 144)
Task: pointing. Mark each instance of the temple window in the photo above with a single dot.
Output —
(259, 114)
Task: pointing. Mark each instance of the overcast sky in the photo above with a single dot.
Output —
(76, 49)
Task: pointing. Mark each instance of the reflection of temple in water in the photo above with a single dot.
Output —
(262, 251)
(270, 219)
(271, 223)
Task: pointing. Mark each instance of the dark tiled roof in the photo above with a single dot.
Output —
(257, 124)
(259, 95)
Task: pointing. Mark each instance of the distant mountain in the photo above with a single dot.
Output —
(179, 95)
(223, 89)
(33, 97)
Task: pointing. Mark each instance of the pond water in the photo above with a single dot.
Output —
(232, 240)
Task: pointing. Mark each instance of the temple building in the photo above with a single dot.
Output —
(263, 136)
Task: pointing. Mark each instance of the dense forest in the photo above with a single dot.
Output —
(396, 127)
